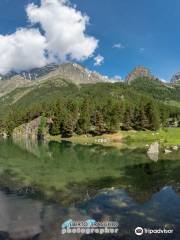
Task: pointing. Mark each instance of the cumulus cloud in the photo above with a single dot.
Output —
(64, 28)
(62, 37)
(22, 50)
(98, 60)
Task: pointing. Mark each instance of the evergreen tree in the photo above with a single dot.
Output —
(67, 127)
(128, 118)
(98, 122)
(54, 128)
(153, 116)
(84, 122)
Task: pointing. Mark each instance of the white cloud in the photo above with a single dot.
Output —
(64, 28)
(117, 77)
(119, 46)
(163, 80)
(63, 38)
(22, 50)
(98, 60)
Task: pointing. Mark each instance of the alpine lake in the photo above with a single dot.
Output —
(43, 184)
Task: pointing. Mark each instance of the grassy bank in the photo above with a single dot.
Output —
(115, 139)
(167, 137)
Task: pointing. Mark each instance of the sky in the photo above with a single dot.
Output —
(108, 36)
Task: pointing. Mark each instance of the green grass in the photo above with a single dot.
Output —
(127, 139)
(172, 103)
(167, 137)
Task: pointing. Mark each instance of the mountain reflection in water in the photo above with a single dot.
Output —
(22, 218)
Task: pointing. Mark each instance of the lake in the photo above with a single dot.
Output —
(45, 184)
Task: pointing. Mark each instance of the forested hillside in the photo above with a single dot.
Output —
(157, 89)
(91, 108)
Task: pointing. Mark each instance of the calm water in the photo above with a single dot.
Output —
(43, 185)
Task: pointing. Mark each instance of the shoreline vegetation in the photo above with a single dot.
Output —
(126, 139)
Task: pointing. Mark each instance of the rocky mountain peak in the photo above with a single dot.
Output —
(176, 78)
(139, 71)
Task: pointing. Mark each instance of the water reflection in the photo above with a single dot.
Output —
(24, 219)
(153, 156)
(19, 218)
(101, 183)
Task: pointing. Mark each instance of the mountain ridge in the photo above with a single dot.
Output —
(73, 72)
(60, 69)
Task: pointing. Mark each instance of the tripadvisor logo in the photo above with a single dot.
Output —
(140, 231)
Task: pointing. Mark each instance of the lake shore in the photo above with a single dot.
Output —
(123, 139)
(115, 139)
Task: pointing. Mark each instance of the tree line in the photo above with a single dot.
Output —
(89, 115)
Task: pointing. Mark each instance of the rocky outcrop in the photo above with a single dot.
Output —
(176, 78)
(75, 73)
(166, 151)
(139, 71)
(29, 130)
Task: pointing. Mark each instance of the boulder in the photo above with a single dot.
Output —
(166, 151)
(175, 148)
(153, 151)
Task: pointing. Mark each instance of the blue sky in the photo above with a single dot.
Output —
(147, 31)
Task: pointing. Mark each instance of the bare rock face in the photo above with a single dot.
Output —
(176, 78)
(139, 71)
(75, 73)
(28, 131)
(69, 71)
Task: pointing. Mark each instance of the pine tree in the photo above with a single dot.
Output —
(54, 128)
(84, 121)
(153, 116)
(128, 118)
(98, 122)
(67, 127)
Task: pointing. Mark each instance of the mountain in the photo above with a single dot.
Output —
(69, 71)
(32, 74)
(144, 82)
(21, 85)
(72, 71)
(16, 81)
(82, 101)
(175, 78)
(53, 81)
(75, 73)
(139, 71)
